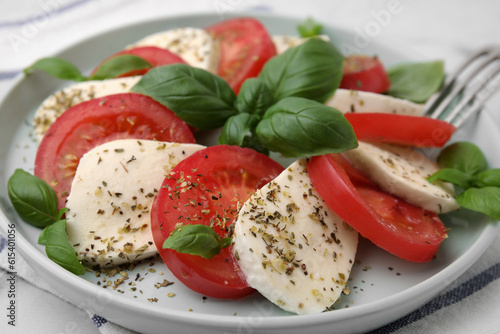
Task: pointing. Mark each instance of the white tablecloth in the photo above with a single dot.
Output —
(449, 30)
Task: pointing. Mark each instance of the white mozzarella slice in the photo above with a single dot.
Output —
(348, 101)
(403, 172)
(195, 46)
(57, 103)
(285, 42)
(291, 247)
(111, 196)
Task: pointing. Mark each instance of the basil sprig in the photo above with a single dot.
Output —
(310, 28)
(416, 81)
(111, 68)
(465, 165)
(36, 203)
(196, 239)
(281, 110)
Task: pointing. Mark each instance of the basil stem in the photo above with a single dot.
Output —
(58, 68)
(200, 98)
(59, 249)
(33, 199)
(416, 81)
(119, 65)
(312, 70)
(298, 127)
(196, 239)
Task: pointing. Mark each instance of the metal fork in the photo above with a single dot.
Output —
(454, 103)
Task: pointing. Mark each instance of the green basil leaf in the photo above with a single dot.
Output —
(298, 127)
(485, 200)
(312, 70)
(236, 128)
(59, 249)
(200, 98)
(58, 68)
(196, 239)
(416, 81)
(451, 175)
(253, 143)
(464, 156)
(118, 65)
(254, 97)
(34, 200)
(488, 178)
(310, 28)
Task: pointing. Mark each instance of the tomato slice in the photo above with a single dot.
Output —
(245, 47)
(365, 73)
(94, 122)
(400, 228)
(152, 54)
(208, 188)
(415, 131)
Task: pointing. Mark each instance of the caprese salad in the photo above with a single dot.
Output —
(119, 176)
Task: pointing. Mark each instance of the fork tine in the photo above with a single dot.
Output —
(439, 102)
(473, 101)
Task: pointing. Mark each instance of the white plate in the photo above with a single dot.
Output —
(383, 287)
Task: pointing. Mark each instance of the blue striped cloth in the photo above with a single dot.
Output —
(469, 305)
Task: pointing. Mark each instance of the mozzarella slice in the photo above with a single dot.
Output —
(111, 195)
(195, 46)
(403, 172)
(291, 247)
(347, 101)
(285, 42)
(57, 103)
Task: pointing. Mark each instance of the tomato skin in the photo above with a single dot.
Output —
(94, 122)
(206, 188)
(400, 228)
(418, 131)
(364, 73)
(153, 55)
(245, 47)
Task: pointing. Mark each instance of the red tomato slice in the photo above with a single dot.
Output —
(402, 229)
(415, 131)
(94, 122)
(245, 47)
(364, 73)
(153, 55)
(208, 188)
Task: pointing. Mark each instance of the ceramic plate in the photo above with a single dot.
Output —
(383, 288)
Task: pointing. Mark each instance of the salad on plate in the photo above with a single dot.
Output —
(249, 163)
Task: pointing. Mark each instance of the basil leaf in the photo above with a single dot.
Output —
(312, 70)
(488, 178)
(33, 199)
(254, 97)
(451, 175)
(254, 144)
(118, 65)
(196, 239)
(236, 128)
(310, 28)
(298, 127)
(416, 81)
(485, 200)
(58, 68)
(58, 248)
(464, 156)
(200, 98)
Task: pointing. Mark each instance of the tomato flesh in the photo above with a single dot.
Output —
(364, 73)
(153, 55)
(400, 228)
(245, 47)
(207, 188)
(417, 131)
(94, 122)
